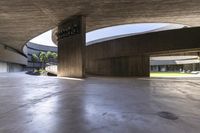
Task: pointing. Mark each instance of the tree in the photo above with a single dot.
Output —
(43, 58)
(34, 59)
(49, 55)
(54, 55)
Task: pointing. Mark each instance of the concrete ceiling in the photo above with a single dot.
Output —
(21, 20)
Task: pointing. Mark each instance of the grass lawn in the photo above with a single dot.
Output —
(169, 74)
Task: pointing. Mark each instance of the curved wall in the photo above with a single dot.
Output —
(129, 56)
(11, 60)
(33, 48)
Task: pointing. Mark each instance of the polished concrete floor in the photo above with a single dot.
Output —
(30, 104)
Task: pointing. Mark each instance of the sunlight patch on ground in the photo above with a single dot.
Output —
(170, 74)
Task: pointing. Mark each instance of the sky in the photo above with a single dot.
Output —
(45, 38)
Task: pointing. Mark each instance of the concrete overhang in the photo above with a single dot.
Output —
(21, 20)
(174, 60)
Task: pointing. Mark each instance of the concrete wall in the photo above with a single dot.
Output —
(9, 55)
(119, 66)
(128, 56)
(3, 67)
(71, 47)
(10, 67)
(11, 60)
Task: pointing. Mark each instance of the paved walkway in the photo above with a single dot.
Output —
(31, 104)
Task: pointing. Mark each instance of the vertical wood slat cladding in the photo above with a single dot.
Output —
(129, 56)
(164, 41)
(120, 66)
(71, 51)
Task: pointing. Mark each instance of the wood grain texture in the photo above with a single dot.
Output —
(71, 53)
(129, 56)
(137, 66)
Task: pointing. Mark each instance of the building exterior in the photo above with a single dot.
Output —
(160, 63)
(186, 63)
(33, 48)
(11, 60)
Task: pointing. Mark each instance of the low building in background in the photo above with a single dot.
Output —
(33, 48)
(186, 63)
(174, 63)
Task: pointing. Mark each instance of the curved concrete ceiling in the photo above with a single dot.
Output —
(108, 33)
(104, 34)
(21, 20)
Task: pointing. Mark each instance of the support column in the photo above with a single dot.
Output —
(71, 47)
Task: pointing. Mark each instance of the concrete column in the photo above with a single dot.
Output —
(71, 47)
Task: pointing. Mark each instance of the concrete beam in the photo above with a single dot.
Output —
(163, 42)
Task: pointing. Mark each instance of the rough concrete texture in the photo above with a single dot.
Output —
(21, 20)
(71, 48)
(128, 56)
(30, 104)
